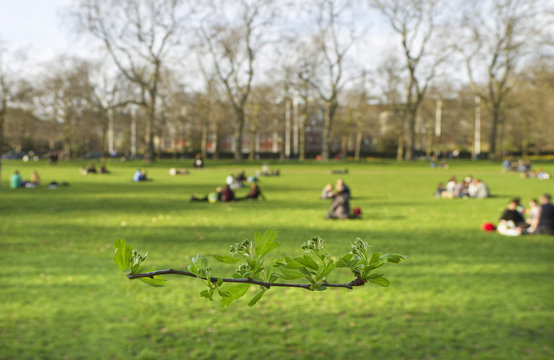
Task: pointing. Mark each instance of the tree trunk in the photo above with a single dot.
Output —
(410, 143)
(2, 118)
(494, 131)
(67, 136)
(215, 143)
(326, 133)
(400, 146)
(359, 137)
(344, 146)
(253, 132)
(149, 155)
(330, 108)
(204, 140)
(302, 134)
(238, 133)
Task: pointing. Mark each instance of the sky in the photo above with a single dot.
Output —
(36, 26)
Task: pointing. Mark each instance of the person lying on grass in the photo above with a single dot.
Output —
(212, 197)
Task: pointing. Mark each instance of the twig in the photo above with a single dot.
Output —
(151, 274)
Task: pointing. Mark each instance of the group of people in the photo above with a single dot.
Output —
(540, 217)
(141, 175)
(226, 194)
(340, 206)
(236, 182)
(34, 181)
(17, 182)
(91, 169)
(524, 167)
(469, 187)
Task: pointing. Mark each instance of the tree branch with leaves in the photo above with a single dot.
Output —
(256, 268)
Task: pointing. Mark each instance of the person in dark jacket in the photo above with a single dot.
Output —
(227, 194)
(511, 214)
(545, 223)
(254, 193)
(340, 207)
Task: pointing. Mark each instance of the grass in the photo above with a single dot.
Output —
(462, 293)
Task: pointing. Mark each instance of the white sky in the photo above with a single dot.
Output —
(35, 25)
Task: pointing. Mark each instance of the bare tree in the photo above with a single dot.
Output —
(12, 89)
(332, 45)
(66, 91)
(415, 21)
(234, 48)
(138, 35)
(500, 33)
(108, 94)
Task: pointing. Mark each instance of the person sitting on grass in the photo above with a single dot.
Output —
(511, 222)
(327, 192)
(254, 193)
(91, 169)
(198, 162)
(340, 207)
(534, 211)
(140, 175)
(480, 189)
(227, 194)
(103, 169)
(15, 180)
(241, 177)
(342, 188)
(440, 191)
(35, 180)
(545, 222)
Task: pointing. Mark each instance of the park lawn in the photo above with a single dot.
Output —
(462, 293)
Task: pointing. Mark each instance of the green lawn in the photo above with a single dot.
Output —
(462, 293)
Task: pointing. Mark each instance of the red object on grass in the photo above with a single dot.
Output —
(488, 226)
(357, 211)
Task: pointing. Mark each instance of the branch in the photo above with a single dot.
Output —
(151, 274)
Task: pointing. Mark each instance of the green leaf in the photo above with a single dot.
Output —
(374, 258)
(157, 280)
(266, 243)
(319, 274)
(306, 272)
(226, 259)
(290, 274)
(256, 298)
(393, 258)
(329, 268)
(236, 292)
(122, 254)
(381, 281)
(291, 263)
(307, 262)
(345, 261)
(223, 293)
(311, 262)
